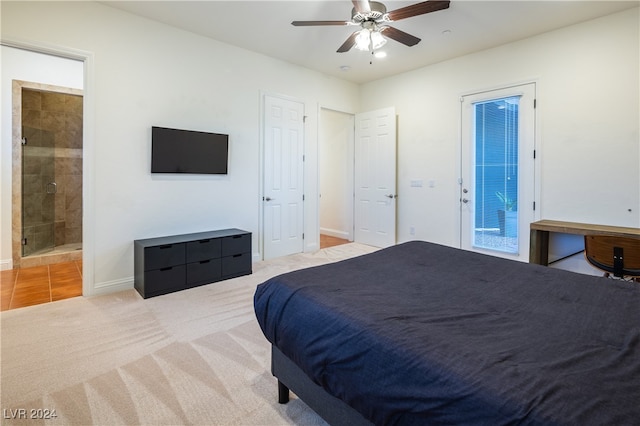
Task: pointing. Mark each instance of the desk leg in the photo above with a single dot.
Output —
(539, 247)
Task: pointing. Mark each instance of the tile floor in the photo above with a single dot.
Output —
(40, 284)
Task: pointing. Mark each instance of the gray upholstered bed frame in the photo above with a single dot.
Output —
(291, 377)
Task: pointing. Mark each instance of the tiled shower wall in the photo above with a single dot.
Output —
(52, 125)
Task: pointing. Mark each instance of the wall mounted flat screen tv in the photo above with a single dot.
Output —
(188, 151)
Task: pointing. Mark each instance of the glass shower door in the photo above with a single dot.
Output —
(38, 189)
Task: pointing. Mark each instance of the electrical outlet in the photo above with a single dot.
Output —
(412, 230)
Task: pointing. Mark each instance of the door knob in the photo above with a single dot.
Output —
(390, 196)
(464, 200)
(268, 198)
(51, 188)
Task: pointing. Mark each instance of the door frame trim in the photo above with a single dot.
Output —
(88, 148)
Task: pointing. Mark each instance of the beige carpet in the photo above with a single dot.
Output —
(191, 357)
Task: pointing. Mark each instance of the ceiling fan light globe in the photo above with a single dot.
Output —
(377, 40)
(363, 39)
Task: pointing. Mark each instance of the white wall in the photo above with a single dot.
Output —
(146, 73)
(22, 65)
(588, 118)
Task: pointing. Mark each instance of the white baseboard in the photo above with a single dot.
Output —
(335, 233)
(112, 286)
(6, 264)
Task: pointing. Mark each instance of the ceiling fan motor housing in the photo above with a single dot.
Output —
(377, 13)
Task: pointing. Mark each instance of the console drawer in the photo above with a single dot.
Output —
(165, 280)
(204, 272)
(239, 264)
(236, 244)
(163, 256)
(204, 249)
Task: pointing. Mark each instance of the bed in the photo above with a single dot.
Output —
(421, 333)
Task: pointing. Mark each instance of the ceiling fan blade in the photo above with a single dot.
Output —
(400, 36)
(349, 43)
(361, 6)
(418, 9)
(314, 23)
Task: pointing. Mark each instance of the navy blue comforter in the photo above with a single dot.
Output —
(420, 334)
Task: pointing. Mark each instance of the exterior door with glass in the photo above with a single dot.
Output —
(497, 186)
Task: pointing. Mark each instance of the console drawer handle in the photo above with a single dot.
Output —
(167, 269)
(205, 261)
(237, 236)
(166, 246)
(237, 255)
(204, 241)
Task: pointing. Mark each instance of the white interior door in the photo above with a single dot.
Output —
(498, 173)
(375, 178)
(283, 210)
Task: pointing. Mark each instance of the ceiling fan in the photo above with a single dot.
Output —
(372, 17)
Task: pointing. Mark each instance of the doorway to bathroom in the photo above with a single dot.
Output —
(47, 174)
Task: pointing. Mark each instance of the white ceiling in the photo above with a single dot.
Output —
(467, 26)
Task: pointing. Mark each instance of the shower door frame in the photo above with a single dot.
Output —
(16, 135)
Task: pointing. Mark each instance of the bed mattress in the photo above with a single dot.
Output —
(421, 333)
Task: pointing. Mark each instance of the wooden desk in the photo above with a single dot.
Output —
(539, 242)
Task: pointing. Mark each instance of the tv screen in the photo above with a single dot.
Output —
(188, 151)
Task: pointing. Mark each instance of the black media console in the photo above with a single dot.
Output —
(167, 264)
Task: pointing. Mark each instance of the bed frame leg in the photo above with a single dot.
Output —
(283, 393)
